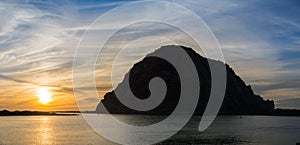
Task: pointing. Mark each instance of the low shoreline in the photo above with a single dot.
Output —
(36, 113)
(276, 112)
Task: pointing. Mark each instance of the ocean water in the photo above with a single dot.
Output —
(267, 130)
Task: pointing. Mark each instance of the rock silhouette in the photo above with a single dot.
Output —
(239, 97)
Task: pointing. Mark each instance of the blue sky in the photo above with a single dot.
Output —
(259, 39)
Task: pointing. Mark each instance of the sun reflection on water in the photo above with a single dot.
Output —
(45, 131)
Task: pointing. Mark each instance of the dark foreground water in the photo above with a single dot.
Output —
(267, 130)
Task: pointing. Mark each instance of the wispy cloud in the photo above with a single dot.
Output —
(35, 49)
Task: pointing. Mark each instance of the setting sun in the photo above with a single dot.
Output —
(44, 95)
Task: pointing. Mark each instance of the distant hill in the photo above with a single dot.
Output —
(239, 97)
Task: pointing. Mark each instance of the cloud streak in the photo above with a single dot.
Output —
(34, 51)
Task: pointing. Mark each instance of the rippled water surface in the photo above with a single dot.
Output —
(225, 130)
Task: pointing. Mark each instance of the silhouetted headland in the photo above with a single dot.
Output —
(239, 98)
(36, 113)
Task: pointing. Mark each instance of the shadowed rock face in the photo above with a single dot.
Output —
(239, 98)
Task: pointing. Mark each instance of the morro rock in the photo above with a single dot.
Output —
(239, 97)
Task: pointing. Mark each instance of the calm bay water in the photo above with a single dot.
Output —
(266, 130)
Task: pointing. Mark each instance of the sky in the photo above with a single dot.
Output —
(260, 40)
